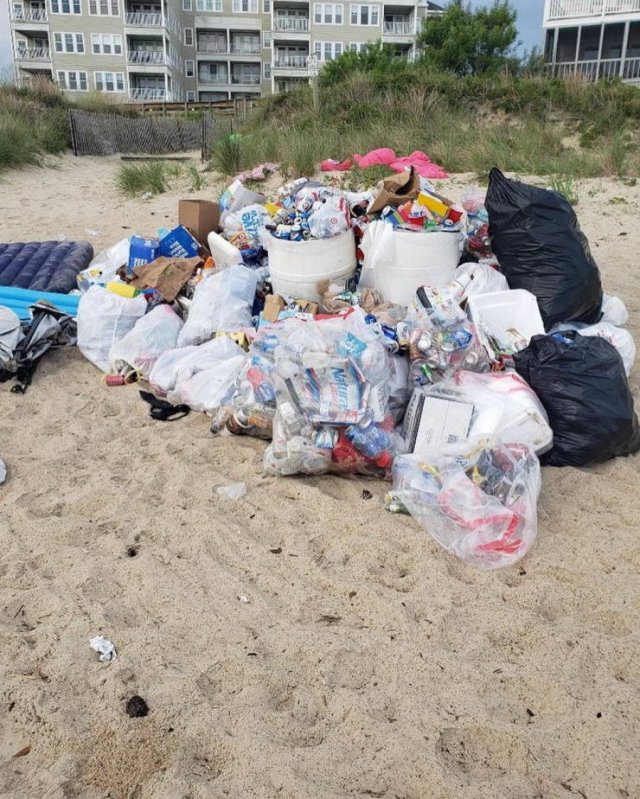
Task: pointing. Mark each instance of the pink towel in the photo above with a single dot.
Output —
(424, 166)
(383, 156)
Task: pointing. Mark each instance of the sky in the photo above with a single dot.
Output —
(529, 23)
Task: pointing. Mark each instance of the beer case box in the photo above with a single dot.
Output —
(142, 251)
(179, 243)
(200, 217)
(433, 422)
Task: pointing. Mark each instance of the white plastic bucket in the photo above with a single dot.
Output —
(502, 310)
(414, 259)
(298, 266)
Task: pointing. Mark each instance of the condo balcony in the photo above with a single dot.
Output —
(574, 9)
(28, 14)
(149, 95)
(33, 53)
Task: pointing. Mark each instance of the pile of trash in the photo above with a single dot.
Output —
(451, 348)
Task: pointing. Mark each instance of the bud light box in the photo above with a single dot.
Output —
(141, 251)
(179, 243)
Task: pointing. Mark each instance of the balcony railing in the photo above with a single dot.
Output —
(144, 19)
(627, 69)
(213, 48)
(246, 80)
(146, 57)
(213, 80)
(561, 9)
(34, 53)
(29, 15)
(291, 61)
(289, 86)
(147, 94)
(246, 49)
(398, 28)
(291, 24)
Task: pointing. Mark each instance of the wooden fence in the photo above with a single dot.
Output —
(108, 134)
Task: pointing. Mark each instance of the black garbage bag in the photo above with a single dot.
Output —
(538, 242)
(583, 386)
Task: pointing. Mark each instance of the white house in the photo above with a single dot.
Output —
(593, 39)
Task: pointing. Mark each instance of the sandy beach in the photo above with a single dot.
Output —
(367, 662)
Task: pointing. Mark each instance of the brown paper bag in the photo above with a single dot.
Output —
(395, 191)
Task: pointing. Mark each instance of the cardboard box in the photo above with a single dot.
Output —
(179, 243)
(431, 422)
(273, 304)
(274, 308)
(200, 217)
(142, 251)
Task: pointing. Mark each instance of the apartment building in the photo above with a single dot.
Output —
(593, 39)
(198, 50)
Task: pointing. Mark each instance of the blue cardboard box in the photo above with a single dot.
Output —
(142, 251)
(179, 243)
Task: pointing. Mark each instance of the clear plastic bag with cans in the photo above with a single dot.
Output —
(480, 504)
(254, 402)
(332, 396)
(441, 338)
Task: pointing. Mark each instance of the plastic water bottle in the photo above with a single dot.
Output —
(371, 440)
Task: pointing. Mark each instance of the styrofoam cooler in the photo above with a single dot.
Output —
(408, 260)
(502, 310)
(298, 266)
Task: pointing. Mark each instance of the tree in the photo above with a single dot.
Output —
(374, 57)
(468, 42)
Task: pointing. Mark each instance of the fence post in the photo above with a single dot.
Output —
(73, 133)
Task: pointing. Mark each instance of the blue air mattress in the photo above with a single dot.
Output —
(44, 265)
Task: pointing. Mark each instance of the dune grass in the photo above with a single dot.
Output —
(527, 125)
(134, 180)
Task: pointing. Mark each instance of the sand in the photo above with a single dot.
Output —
(366, 662)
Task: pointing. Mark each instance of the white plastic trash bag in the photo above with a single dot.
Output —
(221, 302)
(103, 319)
(620, 338)
(480, 505)
(151, 335)
(212, 388)
(179, 365)
(484, 279)
(474, 407)
(104, 266)
(614, 310)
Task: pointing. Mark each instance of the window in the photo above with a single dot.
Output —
(267, 71)
(327, 51)
(187, 6)
(266, 6)
(188, 37)
(245, 6)
(191, 97)
(68, 42)
(327, 13)
(109, 81)
(365, 15)
(209, 5)
(266, 39)
(357, 47)
(72, 81)
(66, 7)
(106, 44)
(247, 43)
(104, 8)
(189, 69)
